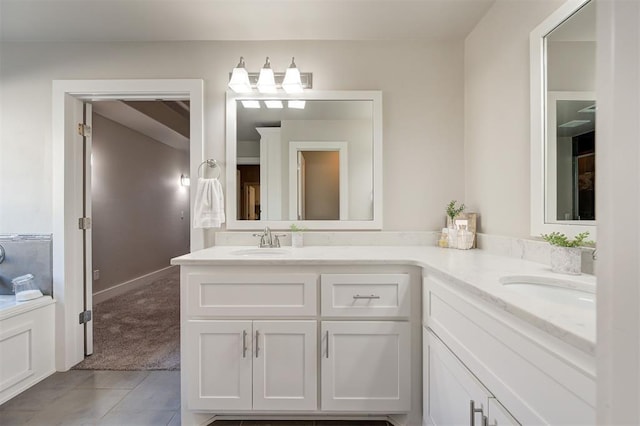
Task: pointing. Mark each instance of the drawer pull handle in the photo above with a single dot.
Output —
(244, 343)
(371, 296)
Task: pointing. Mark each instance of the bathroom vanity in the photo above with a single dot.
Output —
(412, 335)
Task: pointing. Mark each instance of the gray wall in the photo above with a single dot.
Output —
(140, 211)
(423, 113)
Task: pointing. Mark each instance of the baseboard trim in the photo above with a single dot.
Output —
(126, 286)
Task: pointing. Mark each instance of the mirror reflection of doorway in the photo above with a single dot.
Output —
(248, 178)
(318, 185)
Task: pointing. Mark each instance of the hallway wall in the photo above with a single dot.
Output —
(140, 210)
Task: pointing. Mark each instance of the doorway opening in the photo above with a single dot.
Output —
(69, 262)
(139, 204)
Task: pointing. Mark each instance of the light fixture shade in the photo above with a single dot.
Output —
(292, 82)
(239, 82)
(266, 80)
(184, 180)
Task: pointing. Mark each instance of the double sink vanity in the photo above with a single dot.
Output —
(413, 334)
(409, 334)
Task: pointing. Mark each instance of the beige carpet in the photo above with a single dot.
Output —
(138, 330)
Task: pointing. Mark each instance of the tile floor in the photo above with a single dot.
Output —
(122, 398)
(82, 397)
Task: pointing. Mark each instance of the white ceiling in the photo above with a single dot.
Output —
(179, 20)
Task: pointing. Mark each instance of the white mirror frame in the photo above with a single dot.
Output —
(537, 48)
(231, 161)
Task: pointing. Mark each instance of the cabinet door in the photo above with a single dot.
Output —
(285, 365)
(451, 394)
(499, 416)
(366, 366)
(218, 365)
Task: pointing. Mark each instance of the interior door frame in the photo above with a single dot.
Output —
(68, 190)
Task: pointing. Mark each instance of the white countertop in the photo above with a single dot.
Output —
(474, 270)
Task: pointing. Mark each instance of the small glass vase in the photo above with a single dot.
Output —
(297, 239)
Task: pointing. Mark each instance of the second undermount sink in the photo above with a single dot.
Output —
(266, 252)
(557, 290)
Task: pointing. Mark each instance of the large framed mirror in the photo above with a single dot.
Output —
(563, 121)
(313, 159)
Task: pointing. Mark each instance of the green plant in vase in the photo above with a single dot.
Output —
(453, 211)
(566, 253)
(297, 236)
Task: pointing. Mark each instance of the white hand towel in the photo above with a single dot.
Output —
(209, 205)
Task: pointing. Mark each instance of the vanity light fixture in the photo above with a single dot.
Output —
(184, 180)
(296, 104)
(250, 103)
(292, 82)
(274, 103)
(239, 82)
(266, 80)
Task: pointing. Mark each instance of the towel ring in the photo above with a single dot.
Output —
(211, 163)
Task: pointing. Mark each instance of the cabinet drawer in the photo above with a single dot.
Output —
(365, 295)
(247, 295)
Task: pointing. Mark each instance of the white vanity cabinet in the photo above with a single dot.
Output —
(251, 365)
(513, 372)
(452, 394)
(300, 342)
(366, 364)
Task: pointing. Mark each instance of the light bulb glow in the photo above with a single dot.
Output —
(239, 82)
(274, 104)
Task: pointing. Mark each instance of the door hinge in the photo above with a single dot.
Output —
(84, 130)
(84, 223)
(85, 317)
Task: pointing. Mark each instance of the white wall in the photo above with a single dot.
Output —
(618, 204)
(496, 149)
(140, 212)
(423, 113)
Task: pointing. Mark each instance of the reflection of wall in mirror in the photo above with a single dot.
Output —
(571, 66)
(359, 136)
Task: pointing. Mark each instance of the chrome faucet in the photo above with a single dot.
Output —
(267, 239)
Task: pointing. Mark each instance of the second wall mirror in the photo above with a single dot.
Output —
(563, 121)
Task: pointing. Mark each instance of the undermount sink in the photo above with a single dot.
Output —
(553, 289)
(266, 251)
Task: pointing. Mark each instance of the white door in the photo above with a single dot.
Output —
(499, 416)
(85, 131)
(219, 365)
(451, 395)
(285, 365)
(366, 366)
